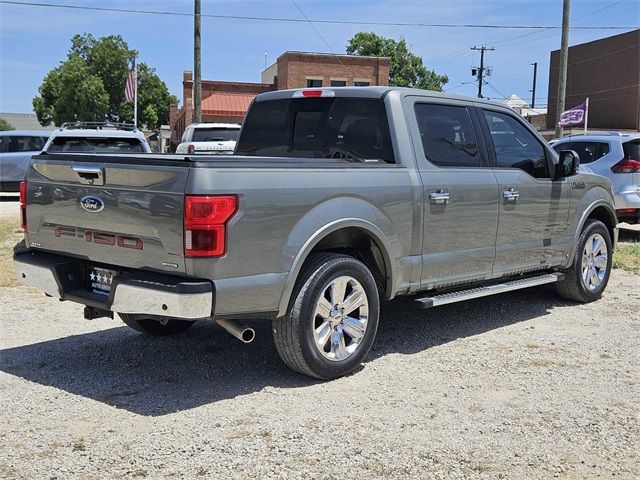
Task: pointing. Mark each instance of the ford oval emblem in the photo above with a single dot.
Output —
(92, 204)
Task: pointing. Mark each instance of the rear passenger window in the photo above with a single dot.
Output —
(25, 144)
(587, 151)
(515, 146)
(447, 135)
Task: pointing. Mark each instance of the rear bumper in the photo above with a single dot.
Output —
(628, 216)
(628, 198)
(132, 291)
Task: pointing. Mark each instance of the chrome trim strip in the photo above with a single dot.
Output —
(38, 277)
(134, 299)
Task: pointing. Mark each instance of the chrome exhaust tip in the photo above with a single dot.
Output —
(240, 331)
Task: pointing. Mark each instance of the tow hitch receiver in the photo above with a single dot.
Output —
(91, 313)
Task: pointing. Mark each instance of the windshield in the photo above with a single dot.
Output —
(353, 129)
(95, 145)
(215, 134)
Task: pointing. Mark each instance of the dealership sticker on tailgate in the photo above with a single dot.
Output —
(100, 280)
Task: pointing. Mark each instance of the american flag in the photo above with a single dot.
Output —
(130, 86)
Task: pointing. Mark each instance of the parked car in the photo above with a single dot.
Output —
(617, 157)
(97, 137)
(335, 200)
(16, 149)
(209, 139)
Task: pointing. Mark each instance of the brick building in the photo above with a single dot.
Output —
(608, 72)
(227, 102)
(300, 70)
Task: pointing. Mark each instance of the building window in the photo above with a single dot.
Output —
(338, 83)
(361, 83)
(313, 83)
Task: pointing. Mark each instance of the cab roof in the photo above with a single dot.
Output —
(374, 92)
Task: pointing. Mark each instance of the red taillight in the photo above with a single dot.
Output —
(191, 149)
(626, 210)
(23, 205)
(626, 165)
(323, 92)
(205, 224)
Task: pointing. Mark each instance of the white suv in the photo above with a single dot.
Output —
(97, 137)
(209, 138)
(616, 156)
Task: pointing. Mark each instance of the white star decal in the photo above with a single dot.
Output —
(99, 278)
(92, 276)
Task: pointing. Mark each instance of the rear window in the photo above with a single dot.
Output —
(215, 134)
(632, 150)
(354, 129)
(95, 145)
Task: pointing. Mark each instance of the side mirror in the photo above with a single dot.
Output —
(568, 164)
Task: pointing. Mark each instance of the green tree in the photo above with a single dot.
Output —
(71, 92)
(4, 125)
(406, 69)
(89, 85)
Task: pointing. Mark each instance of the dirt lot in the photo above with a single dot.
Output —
(522, 385)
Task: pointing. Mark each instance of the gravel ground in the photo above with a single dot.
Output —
(9, 206)
(522, 385)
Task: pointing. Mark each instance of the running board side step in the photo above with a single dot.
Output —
(478, 292)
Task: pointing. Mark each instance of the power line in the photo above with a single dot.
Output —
(603, 55)
(299, 20)
(317, 31)
(508, 40)
(457, 55)
(496, 90)
(600, 9)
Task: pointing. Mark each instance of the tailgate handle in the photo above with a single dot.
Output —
(89, 174)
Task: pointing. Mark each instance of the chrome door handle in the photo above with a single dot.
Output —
(439, 198)
(511, 195)
(89, 174)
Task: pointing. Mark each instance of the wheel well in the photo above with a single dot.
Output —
(360, 244)
(605, 216)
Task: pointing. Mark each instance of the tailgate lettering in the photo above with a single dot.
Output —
(102, 238)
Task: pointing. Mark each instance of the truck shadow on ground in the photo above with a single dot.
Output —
(157, 376)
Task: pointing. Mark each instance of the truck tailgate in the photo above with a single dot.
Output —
(112, 210)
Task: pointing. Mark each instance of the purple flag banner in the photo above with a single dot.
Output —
(573, 116)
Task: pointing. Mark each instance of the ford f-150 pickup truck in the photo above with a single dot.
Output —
(334, 200)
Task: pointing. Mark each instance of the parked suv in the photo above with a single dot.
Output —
(16, 149)
(97, 137)
(617, 157)
(209, 138)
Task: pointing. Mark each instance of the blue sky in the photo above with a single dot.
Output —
(33, 40)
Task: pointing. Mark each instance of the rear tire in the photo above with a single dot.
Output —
(332, 318)
(588, 275)
(152, 326)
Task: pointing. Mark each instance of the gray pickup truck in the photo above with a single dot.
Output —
(334, 200)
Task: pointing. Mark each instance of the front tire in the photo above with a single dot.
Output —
(332, 318)
(589, 273)
(152, 326)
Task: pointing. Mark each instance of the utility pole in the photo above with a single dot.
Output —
(533, 90)
(197, 74)
(564, 56)
(480, 72)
